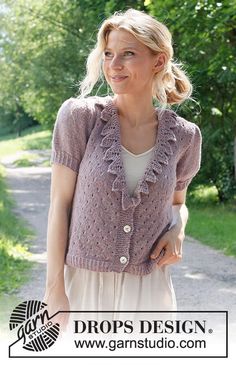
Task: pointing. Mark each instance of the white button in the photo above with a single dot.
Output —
(127, 228)
(123, 260)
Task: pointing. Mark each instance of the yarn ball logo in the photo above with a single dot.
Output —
(34, 326)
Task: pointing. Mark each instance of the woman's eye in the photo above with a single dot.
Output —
(129, 53)
(107, 54)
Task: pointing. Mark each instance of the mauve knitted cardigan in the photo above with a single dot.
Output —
(110, 230)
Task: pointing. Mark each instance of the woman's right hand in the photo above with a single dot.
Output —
(57, 300)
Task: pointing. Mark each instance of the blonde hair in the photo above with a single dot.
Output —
(171, 85)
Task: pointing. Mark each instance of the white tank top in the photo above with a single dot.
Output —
(135, 166)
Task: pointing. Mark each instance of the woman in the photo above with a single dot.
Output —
(120, 172)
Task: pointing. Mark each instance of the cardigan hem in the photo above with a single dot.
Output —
(107, 266)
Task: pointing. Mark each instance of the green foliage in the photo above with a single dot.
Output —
(14, 256)
(205, 41)
(15, 121)
(13, 268)
(211, 222)
(115, 5)
(44, 51)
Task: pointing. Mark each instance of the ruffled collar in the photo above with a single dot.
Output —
(111, 142)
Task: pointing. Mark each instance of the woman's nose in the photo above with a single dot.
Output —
(116, 63)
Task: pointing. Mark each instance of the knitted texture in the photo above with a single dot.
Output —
(109, 229)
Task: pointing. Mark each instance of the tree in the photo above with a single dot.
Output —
(204, 39)
(43, 54)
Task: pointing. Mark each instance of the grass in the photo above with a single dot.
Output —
(28, 159)
(14, 255)
(34, 138)
(32, 159)
(211, 222)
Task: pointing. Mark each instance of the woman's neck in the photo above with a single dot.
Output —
(136, 111)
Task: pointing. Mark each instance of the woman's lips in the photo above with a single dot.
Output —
(118, 78)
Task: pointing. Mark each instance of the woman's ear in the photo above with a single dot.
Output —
(159, 62)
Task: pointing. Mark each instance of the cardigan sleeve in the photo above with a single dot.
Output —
(190, 161)
(71, 132)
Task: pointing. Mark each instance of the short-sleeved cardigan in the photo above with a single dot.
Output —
(109, 229)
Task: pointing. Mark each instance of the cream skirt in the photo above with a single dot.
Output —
(110, 291)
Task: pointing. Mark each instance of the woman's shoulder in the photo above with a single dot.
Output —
(89, 102)
(84, 107)
(186, 125)
(186, 128)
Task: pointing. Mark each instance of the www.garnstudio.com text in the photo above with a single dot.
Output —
(146, 343)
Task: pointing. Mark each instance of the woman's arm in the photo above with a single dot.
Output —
(171, 241)
(63, 182)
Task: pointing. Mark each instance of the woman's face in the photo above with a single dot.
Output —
(129, 65)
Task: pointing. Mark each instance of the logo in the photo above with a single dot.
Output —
(34, 326)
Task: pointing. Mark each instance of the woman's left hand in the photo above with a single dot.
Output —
(169, 247)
